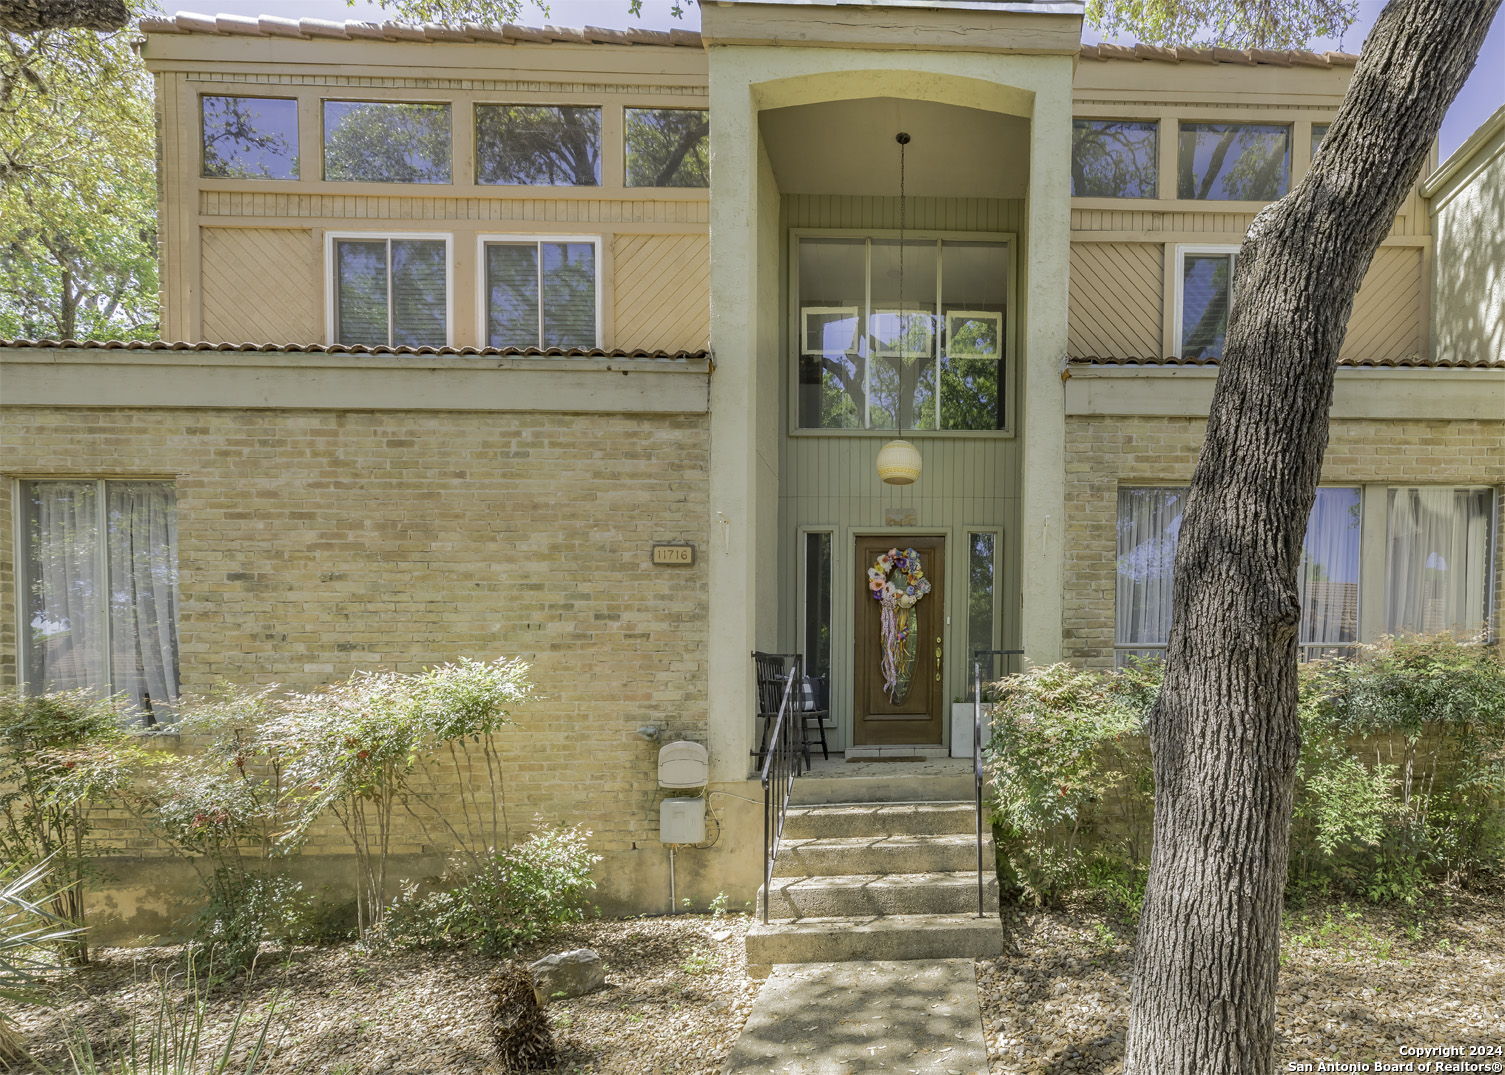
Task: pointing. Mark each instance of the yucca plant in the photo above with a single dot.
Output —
(29, 934)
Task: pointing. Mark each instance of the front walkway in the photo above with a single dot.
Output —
(849, 1018)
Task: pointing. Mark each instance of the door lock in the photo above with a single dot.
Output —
(937, 658)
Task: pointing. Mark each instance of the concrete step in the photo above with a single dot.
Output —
(881, 855)
(880, 819)
(951, 784)
(827, 940)
(865, 895)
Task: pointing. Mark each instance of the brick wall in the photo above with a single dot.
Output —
(312, 544)
(1105, 452)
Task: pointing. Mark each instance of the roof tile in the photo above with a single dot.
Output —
(348, 349)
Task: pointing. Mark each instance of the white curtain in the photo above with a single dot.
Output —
(1437, 571)
(1328, 578)
(64, 591)
(1149, 522)
(143, 562)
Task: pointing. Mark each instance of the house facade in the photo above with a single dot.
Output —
(478, 319)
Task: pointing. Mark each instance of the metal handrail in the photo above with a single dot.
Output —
(977, 656)
(781, 764)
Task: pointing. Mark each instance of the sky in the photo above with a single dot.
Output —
(1484, 92)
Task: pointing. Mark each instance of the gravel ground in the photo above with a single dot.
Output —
(1356, 984)
(677, 995)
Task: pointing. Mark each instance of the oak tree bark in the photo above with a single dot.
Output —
(1224, 731)
(34, 16)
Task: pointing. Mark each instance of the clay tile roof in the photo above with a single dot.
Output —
(1414, 362)
(188, 22)
(1242, 57)
(352, 349)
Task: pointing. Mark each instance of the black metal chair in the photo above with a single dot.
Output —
(809, 700)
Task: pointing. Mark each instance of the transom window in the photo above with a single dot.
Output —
(538, 145)
(250, 137)
(667, 147)
(390, 291)
(1248, 162)
(1113, 158)
(386, 142)
(541, 293)
(1204, 293)
(873, 354)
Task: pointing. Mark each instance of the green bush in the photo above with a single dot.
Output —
(513, 898)
(29, 934)
(1401, 784)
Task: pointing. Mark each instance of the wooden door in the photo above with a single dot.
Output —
(915, 718)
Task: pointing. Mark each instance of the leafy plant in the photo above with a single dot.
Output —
(61, 756)
(515, 898)
(28, 936)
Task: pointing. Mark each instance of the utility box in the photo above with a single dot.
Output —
(683, 765)
(681, 821)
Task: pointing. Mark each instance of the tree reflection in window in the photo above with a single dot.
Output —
(1206, 280)
(1113, 158)
(538, 145)
(386, 142)
(1234, 161)
(668, 147)
(250, 137)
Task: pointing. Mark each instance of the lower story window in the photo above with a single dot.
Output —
(391, 292)
(99, 590)
(1437, 570)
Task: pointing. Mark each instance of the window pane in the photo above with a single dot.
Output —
(902, 328)
(1113, 158)
(1205, 284)
(833, 354)
(361, 283)
(512, 295)
(540, 145)
(1149, 522)
(818, 605)
(668, 147)
(1319, 132)
(981, 579)
(1438, 567)
(1328, 578)
(1234, 161)
(386, 142)
(63, 591)
(250, 137)
(419, 317)
(974, 279)
(569, 294)
(143, 564)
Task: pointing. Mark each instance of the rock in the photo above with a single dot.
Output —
(567, 974)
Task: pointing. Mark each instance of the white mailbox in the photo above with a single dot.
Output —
(683, 765)
(681, 821)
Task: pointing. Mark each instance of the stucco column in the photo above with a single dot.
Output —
(1048, 251)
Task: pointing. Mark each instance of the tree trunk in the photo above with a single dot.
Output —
(34, 16)
(1224, 731)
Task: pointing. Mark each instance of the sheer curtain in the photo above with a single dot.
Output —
(1328, 580)
(1437, 571)
(143, 561)
(64, 590)
(1149, 522)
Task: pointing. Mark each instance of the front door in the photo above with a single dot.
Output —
(898, 660)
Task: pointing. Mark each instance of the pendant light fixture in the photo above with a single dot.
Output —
(899, 460)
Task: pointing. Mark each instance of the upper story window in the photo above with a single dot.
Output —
(541, 293)
(1113, 158)
(871, 357)
(99, 589)
(1249, 162)
(538, 145)
(1204, 290)
(668, 147)
(250, 137)
(386, 142)
(390, 291)
(1319, 132)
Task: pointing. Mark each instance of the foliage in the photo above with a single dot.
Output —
(61, 756)
(77, 187)
(1401, 784)
(1270, 24)
(28, 932)
(512, 899)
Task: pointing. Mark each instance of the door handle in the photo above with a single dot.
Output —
(937, 658)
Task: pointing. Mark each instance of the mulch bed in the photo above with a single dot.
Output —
(1356, 984)
(677, 995)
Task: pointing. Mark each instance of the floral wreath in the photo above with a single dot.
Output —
(907, 564)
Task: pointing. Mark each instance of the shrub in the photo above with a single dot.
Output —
(28, 935)
(512, 899)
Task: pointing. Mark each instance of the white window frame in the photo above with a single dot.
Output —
(1178, 283)
(331, 282)
(21, 545)
(483, 310)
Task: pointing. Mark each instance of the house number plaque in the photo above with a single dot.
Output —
(676, 555)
